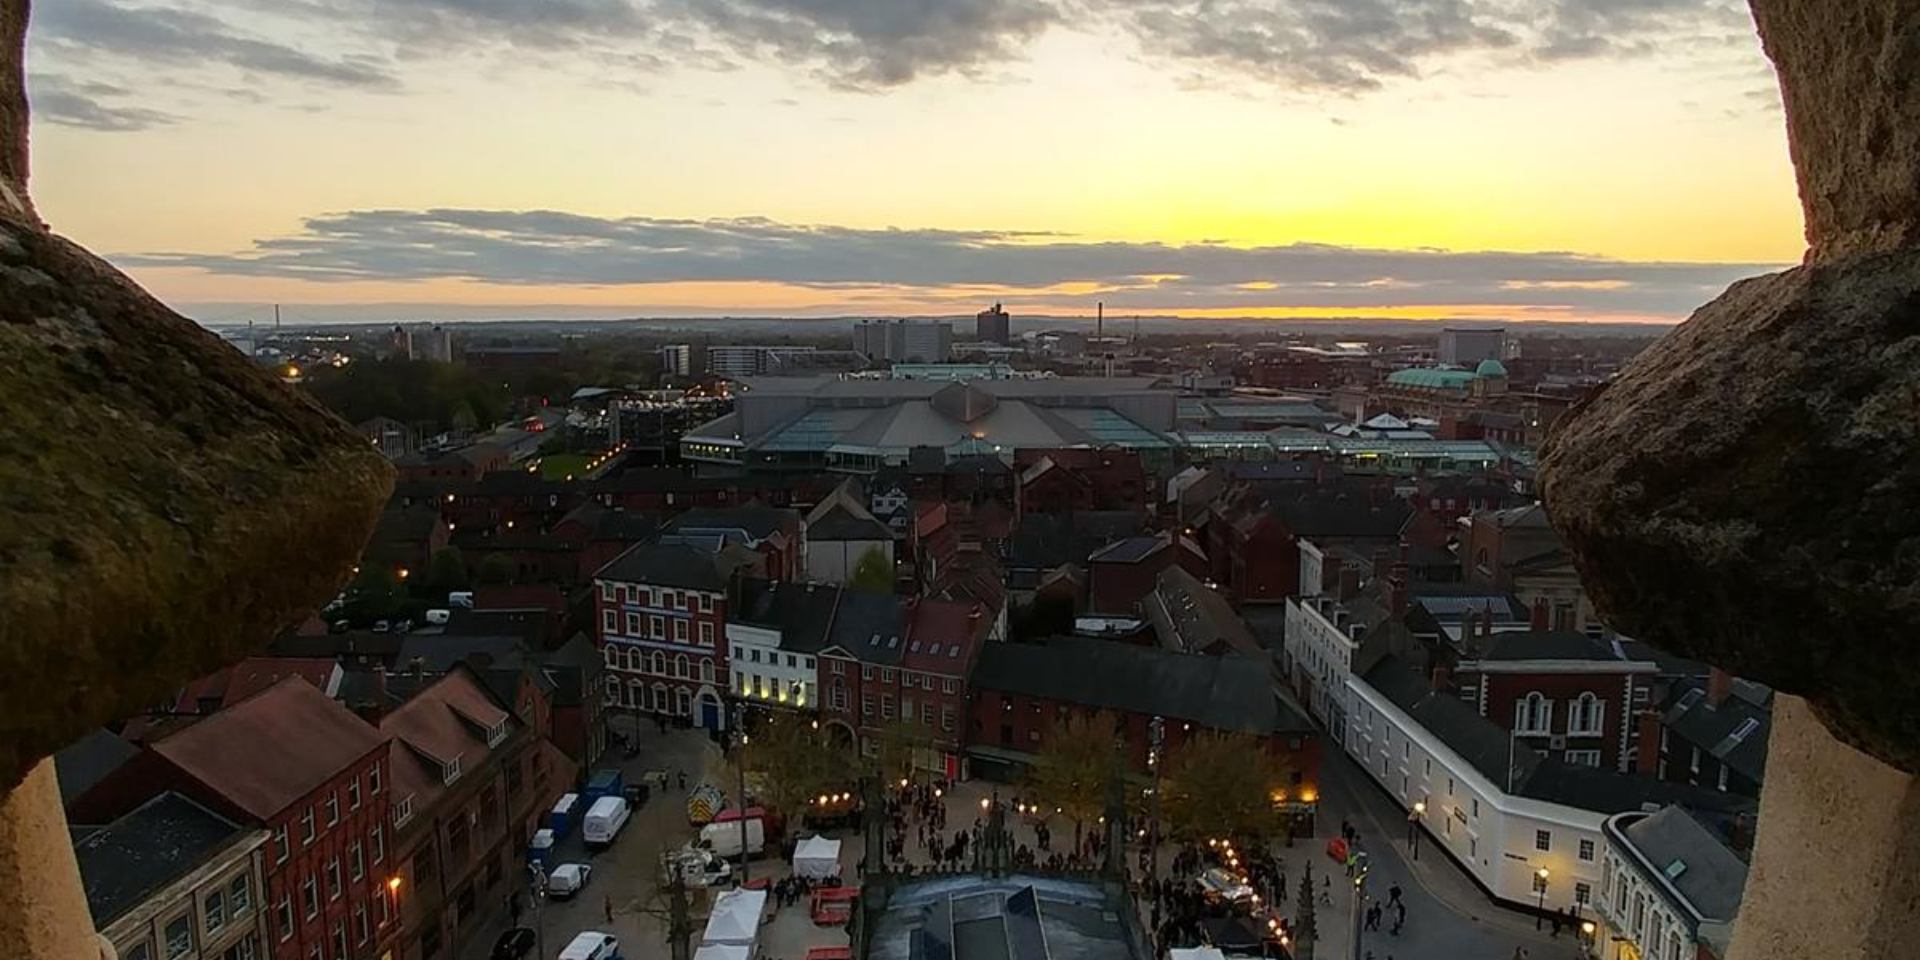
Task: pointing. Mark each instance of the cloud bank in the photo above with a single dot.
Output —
(557, 249)
(1313, 47)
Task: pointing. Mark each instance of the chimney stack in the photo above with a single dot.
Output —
(1540, 617)
(1719, 686)
(1646, 736)
(1330, 569)
(1440, 678)
(1382, 563)
(1349, 583)
(1397, 593)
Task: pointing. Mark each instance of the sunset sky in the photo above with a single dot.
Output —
(1554, 159)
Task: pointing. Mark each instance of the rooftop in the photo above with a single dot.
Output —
(128, 860)
(313, 737)
(1015, 918)
(666, 565)
(1708, 875)
(803, 613)
(1227, 693)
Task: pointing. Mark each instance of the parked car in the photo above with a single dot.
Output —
(513, 944)
(568, 879)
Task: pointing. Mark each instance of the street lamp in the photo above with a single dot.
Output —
(1156, 742)
(740, 766)
(1540, 885)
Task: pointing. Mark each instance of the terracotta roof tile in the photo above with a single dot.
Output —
(266, 752)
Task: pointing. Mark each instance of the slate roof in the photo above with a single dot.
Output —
(757, 522)
(841, 524)
(1194, 619)
(1130, 550)
(87, 761)
(311, 738)
(447, 721)
(872, 627)
(130, 859)
(1344, 515)
(1221, 693)
(1719, 730)
(1509, 645)
(803, 613)
(1709, 876)
(570, 666)
(1044, 541)
(665, 565)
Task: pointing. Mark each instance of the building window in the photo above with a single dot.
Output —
(948, 685)
(340, 941)
(373, 779)
(633, 624)
(839, 668)
(216, 909)
(1533, 714)
(946, 719)
(1588, 712)
(356, 861)
(656, 628)
(886, 674)
(866, 672)
(839, 696)
(309, 896)
(606, 591)
(706, 634)
(306, 826)
(353, 793)
(282, 843)
(1543, 840)
(285, 910)
(1539, 883)
(753, 655)
(1476, 806)
(138, 951)
(240, 895)
(1586, 850)
(680, 631)
(609, 622)
(333, 808)
(333, 878)
(886, 706)
(179, 936)
(682, 667)
(866, 706)
(1585, 758)
(1582, 894)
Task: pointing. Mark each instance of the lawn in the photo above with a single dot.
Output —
(557, 466)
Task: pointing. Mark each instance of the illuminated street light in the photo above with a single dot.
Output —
(1541, 874)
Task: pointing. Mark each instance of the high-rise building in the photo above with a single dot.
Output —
(677, 360)
(1466, 346)
(440, 344)
(749, 361)
(993, 326)
(400, 343)
(904, 341)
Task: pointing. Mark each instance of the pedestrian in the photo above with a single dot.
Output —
(1555, 920)
(609, 908)
(1393, 894)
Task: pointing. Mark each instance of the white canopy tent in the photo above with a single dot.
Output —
(723, 951)
(736, 919)
(816, 858)
(1183, 953)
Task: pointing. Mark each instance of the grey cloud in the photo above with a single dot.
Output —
(85, 104)
(543, 247)
(187, 38)
(875, 43)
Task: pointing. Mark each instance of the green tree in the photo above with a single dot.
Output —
(896, 746)
(873, 573)
(373, 594)
(1223, 785)
(790, 761)
(446, 572)
(1077, 761)
(1306, 928)
(496, 569)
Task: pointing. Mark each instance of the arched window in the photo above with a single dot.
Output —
(636, 695)
(706, 669)
(612, 653)
(660, 701)
(681, 667)
(1533, 714)
(1588, 712)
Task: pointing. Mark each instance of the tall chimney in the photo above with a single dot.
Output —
(1349, 583)
(1646, 736)
(1719, 685)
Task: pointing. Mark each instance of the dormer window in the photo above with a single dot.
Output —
(450, 771)
(497, 733)
(403, 811)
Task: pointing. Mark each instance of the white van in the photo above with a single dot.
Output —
(603, 822)
(592, 945)
(723, 837)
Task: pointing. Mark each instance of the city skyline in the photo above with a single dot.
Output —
(1419, 159)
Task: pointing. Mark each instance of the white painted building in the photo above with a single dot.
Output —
(773, 640)
(1321, 641)
(1503, 840)
(1669, 887)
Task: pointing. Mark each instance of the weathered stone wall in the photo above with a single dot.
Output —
(1850, 78)
(13, 110)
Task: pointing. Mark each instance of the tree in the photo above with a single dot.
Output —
(446, 572)
(791, 761)
(496, 569)
(873, 573)
(373, 594)
(1306, 928)
(1223, 785)
(896, 746)
(1077, 761)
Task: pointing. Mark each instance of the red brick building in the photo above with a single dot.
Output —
(466, 463)
(1022, 690)
(895, 660)
(318, 779)
(1564, 694)
(660, 617)
(1253, 541)
(1123, 573)
(1062, 481)
(772, 532)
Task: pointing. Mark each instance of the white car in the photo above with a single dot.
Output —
(568, 879)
